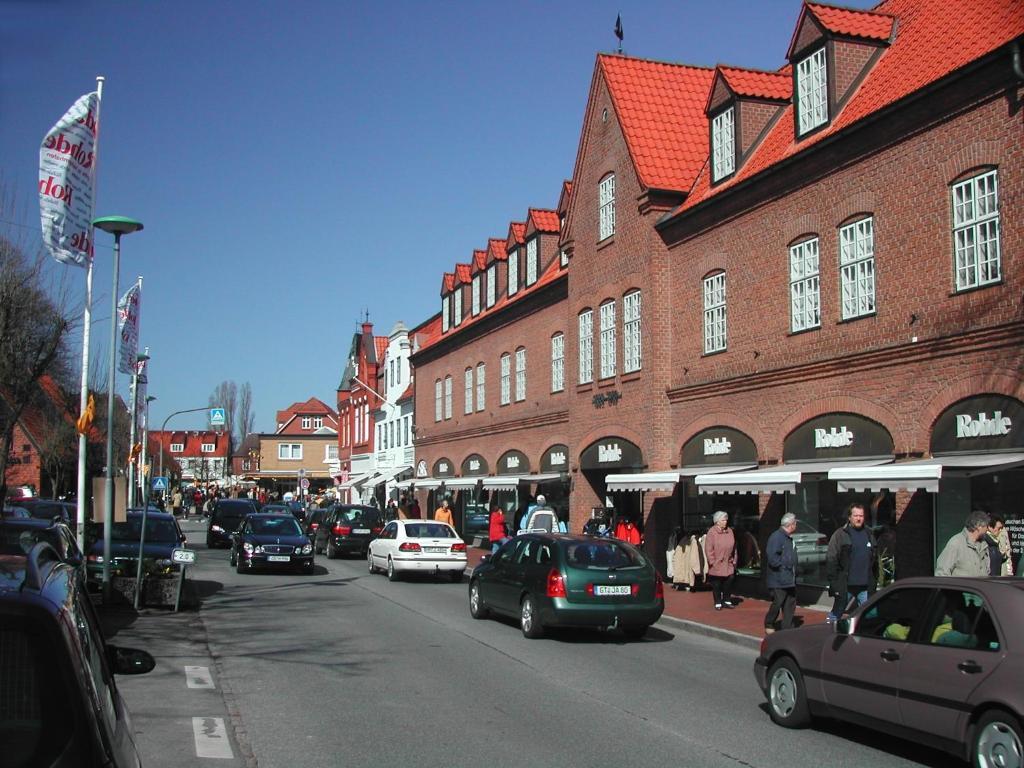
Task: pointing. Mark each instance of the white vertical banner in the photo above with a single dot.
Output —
(128, 309)
(140, 396)
(67, 183)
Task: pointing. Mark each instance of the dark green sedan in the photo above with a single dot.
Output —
(552, 580)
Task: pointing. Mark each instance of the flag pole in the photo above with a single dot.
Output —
(83, 441)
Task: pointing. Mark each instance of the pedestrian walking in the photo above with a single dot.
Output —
(443, 514)
(781, 575)
(496, 528)
(720, 552)
(998, 543)
(851, 563)
(176, 500)
(966, 553)
(414, 512)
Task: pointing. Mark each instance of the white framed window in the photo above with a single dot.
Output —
(359, 425)
(480, 386)
(631, 347)
(506, 379)
(608, 341)
(476, 294)
(563, 258)
(408, 430)
(457, 306)
(812, 91)
(177, 447)
(513, 271)
(857, 268)
(520, 374)
(723, 144)
(380, 436)
(531, 262)
(804, 286)
(492, 284)
(331, 452)
(445, 316)
(557, 362)
(606, 207)
(306, 421)
(469, 391)
(586, 346)
(318, 422)
(976, 231)
(289, 451)
(438, 403)
(391, 434)
(447, 397)
(208, 448)
(714, 313)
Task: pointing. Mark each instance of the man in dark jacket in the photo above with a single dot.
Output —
(780, 578)
(851, 562)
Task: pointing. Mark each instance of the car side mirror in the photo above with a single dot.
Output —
(844, 626)
(129, 661)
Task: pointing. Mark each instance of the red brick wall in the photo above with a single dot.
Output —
(754, 116)
(849, 60)
(23, 463)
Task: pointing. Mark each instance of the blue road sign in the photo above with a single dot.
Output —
(159, 483)
(217, 417)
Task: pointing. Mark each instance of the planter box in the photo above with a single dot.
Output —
(122, 589)
(160, 590)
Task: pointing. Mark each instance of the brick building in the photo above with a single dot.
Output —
(785, 291)
(203, 456)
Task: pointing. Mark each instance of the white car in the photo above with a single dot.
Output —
(423, 546)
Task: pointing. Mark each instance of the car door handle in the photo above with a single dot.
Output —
(970, 666)
(889, 655)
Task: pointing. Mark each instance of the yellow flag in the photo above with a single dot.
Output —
(85, 420)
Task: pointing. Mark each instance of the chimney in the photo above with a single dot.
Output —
(367, 328)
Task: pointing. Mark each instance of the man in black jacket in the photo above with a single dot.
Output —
(852, 562)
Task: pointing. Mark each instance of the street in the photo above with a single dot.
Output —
(344, 668)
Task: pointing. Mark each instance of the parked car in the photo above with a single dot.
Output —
(163, 535)
(939, 661)
(20, 535)
(347, 529)
(227, 515)
(47, 509)
(312, 522)
(476, 521)
(271, 541)
(16, 512)
(421, 546)
(297, 508)
(57, 709)
(553, 580)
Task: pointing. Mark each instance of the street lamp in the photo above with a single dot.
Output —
(143, 466)
(116, 226)
(140, 360)
(164, 429)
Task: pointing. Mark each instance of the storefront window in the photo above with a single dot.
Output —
(699, 509)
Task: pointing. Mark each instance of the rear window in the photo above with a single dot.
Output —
(17, 540)
(359, 515)
(429, 531)
(46, 511)
(279, 526)
(602, 554)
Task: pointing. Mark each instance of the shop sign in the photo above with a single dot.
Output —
(421, 468)
(1015, 526)
(837, 436)
(719, 445)
(474, 464)
(444, 468)
(611, 453)
(982, 423)
(513, 463)
(555, 459)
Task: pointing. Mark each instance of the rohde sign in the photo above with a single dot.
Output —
(833, 438)
(980, 423)
(718, 445)
(837, 436)
(611, 453)
(983, 426)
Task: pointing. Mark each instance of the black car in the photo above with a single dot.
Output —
(313, 519)
(47, 509)
(19, 535)
(348, 528)
(227, 515)
(163, 535)
(271, 541)
(61, 704)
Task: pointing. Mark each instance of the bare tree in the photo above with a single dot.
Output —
(246, 417)
(58, 440)
(226, 396)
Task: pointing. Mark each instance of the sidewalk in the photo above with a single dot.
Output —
(695, 612)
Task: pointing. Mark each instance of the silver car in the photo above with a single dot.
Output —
(939, 661)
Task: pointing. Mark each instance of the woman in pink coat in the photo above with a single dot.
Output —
(720, 549)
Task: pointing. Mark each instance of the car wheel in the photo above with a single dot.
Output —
(369, 562)
(477, 609)
(239, 567)
(787, 699)
(317, 549)
(997, 740)
(455, 576)
(635, 633)
(233, 560)
(529, 620)
(331, 554)
(392, 573)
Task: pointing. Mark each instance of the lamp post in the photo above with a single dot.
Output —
(163, 429)
(143, 466)
(117, 226)
(139, 362)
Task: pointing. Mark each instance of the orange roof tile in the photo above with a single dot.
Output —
(480, 260)
(463, 273)
(448, 282)
(496, 248)
(380, 344)
(934, 39)
(853, 23)
(777, 86)
(544, 220)
(517, 231)
(661, 110)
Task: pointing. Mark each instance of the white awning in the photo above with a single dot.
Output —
(692, 470)
(921, 474)
(405, 484)
(354, 480)
(542, 477)
(643, 481)
(781, 478)
(427, 483)
(383, 475)
(461, 482)
(502, 482)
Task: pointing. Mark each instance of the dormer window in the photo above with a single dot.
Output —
(606, 207)
(177, 447)
(306, 422)
(457, 307)
(318, 422)
(476, 294)
(445, 317)
(812, 92)
(208, 448)
(723, 144)
(513, 271)
(492, 285)
(531, 262)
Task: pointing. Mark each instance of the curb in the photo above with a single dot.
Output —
(736, 638)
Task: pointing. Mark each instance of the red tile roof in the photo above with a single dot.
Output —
(448, 283)
(853, 23)
(407, 394)
(380, 344)
(934, 39)
(480, 260)
(517, 232)
(661, 110)
(544, 220)
(777, 86)
(496, 249)
(463, 273)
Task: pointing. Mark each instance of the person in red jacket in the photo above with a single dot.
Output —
(627, 531)
(496, 529)
(720, 550)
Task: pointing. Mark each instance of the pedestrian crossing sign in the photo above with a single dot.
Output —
(159, 483)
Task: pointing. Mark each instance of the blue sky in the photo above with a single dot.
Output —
(295, 163)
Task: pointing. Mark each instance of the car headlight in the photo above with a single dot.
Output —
(217, 529)
(248, 547)
(308, 548)
(259, 549)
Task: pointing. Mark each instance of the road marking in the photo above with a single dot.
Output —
(198, 677)
(211, 738)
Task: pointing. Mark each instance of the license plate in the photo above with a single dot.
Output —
(617, 589)
(279, 558)
(435, 549)
(360, 530)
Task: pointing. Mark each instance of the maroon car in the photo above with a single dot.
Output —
(939, 661)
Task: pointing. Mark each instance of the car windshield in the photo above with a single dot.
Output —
(276, 526)
(229, 519)
(602, 554)
(157, 531)
(428, 531)
(359, 515)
